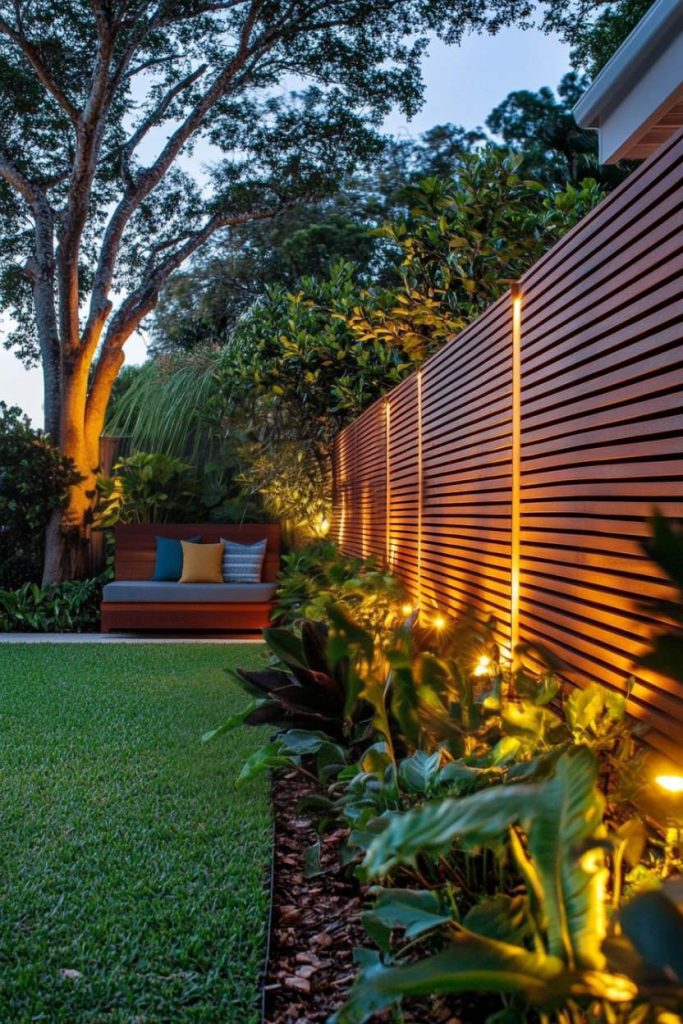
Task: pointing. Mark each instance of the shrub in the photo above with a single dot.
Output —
(315, 575)
(69, 607)
(34, 477)
(148, 488)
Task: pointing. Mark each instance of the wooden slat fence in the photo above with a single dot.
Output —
(537, 519)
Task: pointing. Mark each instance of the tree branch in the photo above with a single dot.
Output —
(139, 303)
(32, 54)
(148, 179)
(157, 114)
(18, 181)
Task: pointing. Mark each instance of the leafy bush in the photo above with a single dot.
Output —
(34, 477)
(551, 945)
(148, 488)
(69, 607)
(313, 576)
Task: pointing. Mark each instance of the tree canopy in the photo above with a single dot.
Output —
(102, 105)
(259, 411)
(107, 108)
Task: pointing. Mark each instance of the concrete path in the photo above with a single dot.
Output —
(121, 638)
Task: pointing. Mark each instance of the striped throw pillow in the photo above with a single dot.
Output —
(243, 563)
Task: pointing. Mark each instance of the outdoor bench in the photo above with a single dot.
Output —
(134, 601)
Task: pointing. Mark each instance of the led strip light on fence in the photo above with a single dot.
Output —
(387, 469)
(516, 296)
(419, 490)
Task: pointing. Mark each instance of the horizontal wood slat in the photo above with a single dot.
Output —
(600, 443)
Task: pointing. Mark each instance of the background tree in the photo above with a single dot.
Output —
(540, 126)
(461, 243)
(594, 30)
(260, 411)
(99, 101)
(203, 303)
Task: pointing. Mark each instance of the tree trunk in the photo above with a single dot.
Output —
(66, 551)
(67, 539)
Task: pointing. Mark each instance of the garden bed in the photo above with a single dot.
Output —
(316, 926)
(315, 920)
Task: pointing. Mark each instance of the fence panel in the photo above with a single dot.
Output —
(466, 443)
(601, 436)
(404, 484)
(598, 443)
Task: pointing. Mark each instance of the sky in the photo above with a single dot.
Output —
(462, 85)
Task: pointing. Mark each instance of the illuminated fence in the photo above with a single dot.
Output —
(513, 473)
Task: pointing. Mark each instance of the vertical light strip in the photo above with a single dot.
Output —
(419, 490)
(387, 464)
(516, 296)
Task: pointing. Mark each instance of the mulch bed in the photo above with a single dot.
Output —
(316, 925)
(316, 920)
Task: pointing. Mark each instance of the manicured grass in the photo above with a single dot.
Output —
(126, 854)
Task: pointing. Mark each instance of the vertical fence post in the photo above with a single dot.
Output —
(516, 297)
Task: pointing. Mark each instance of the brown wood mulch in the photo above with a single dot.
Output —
(316, 925)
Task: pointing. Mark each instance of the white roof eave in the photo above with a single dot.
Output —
(652, 33)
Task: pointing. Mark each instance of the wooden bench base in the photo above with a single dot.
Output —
(180, 616)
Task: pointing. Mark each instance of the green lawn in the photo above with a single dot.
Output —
(126, 854)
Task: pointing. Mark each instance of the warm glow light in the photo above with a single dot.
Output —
(483, 666)
(439, 622)
(407, 609)
(671, 783)
(324, 526)
(516, 453)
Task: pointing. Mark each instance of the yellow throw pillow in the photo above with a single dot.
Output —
(202, 563)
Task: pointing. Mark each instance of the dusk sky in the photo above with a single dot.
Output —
(463, 84)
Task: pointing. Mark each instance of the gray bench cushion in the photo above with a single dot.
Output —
(200, 593)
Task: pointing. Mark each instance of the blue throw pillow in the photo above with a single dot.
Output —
(169, 562)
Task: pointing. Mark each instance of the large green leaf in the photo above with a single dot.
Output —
(472, 963)
(414, 910)
(475, 821)
(235, 720)
(469, 964)
(419, 771)
(564, 837)
(654, 924)
(562, 818)
(501, 917)
(286, 646)
(404, 699)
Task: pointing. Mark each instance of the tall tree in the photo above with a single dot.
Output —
(541, 127)
(595, 29)
(101, 103)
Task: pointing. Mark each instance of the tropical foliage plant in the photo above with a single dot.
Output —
(313, 576)
(148, 488)
(546, 947)
(665, 548)
(69, 607)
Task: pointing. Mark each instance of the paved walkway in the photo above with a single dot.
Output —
(121, 638)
